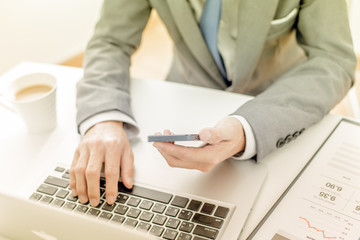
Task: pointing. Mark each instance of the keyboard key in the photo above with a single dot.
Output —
(62, 193)
(105, 216)
(172, 211)
(46, 199)
(35, 196)
(109, 207)
(185, 215)
(146, 205)
(205, 232)
(170, 234)
(72, 198)
(100, 203)
(156, 231)
(59, 169)
(121, 198)
(159, 208)
(118, 219)
(221, 212)
(184, 236)
(143, 226)
(194, 205)
(69, 205)
(93, 212)
(179, 201)
(57, 182)
(208, 208)
(121, 209)
(50, 190)
(102, 191)
(133, 201)
(146, 193)
(146, 216)
(131, 222)
(81, 209)
(58, 202)
(102, 183)
(159, 219)
(199, 238)
(133, 212)
(172, 223)
(186, 227)
(207, 220)
(66, 176)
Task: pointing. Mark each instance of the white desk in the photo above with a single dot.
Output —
(16, 144)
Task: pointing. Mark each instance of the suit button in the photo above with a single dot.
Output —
(296, 134)
(288, 138)
(280, 143)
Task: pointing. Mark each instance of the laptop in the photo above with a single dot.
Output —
(190, 206)
(24, 219)
(166, 203)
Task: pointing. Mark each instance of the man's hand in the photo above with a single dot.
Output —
(105, 143)
(225, 140)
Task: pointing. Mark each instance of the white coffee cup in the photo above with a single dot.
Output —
(33, 96)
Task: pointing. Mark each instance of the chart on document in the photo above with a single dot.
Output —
(324, 202)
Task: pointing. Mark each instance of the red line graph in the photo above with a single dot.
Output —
(318, 230)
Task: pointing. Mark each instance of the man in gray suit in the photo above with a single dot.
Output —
(294, 56)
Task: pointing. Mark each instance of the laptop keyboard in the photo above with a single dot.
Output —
(158, 213)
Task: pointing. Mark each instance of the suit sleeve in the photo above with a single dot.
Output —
(303, 95)
(105, 84)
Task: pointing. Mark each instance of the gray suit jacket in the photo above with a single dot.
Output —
(297, 65)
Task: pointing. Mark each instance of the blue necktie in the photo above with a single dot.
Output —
(209, 25)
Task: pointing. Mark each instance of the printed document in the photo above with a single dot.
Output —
(323, 202)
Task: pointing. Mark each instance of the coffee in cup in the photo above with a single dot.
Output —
(34, 97)
(32, 92)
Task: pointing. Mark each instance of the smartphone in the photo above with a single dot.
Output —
(173, 138)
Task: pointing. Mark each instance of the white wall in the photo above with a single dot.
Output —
(44, 30)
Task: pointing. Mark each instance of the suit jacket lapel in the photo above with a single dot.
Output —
(190, 31)
(254, 18)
